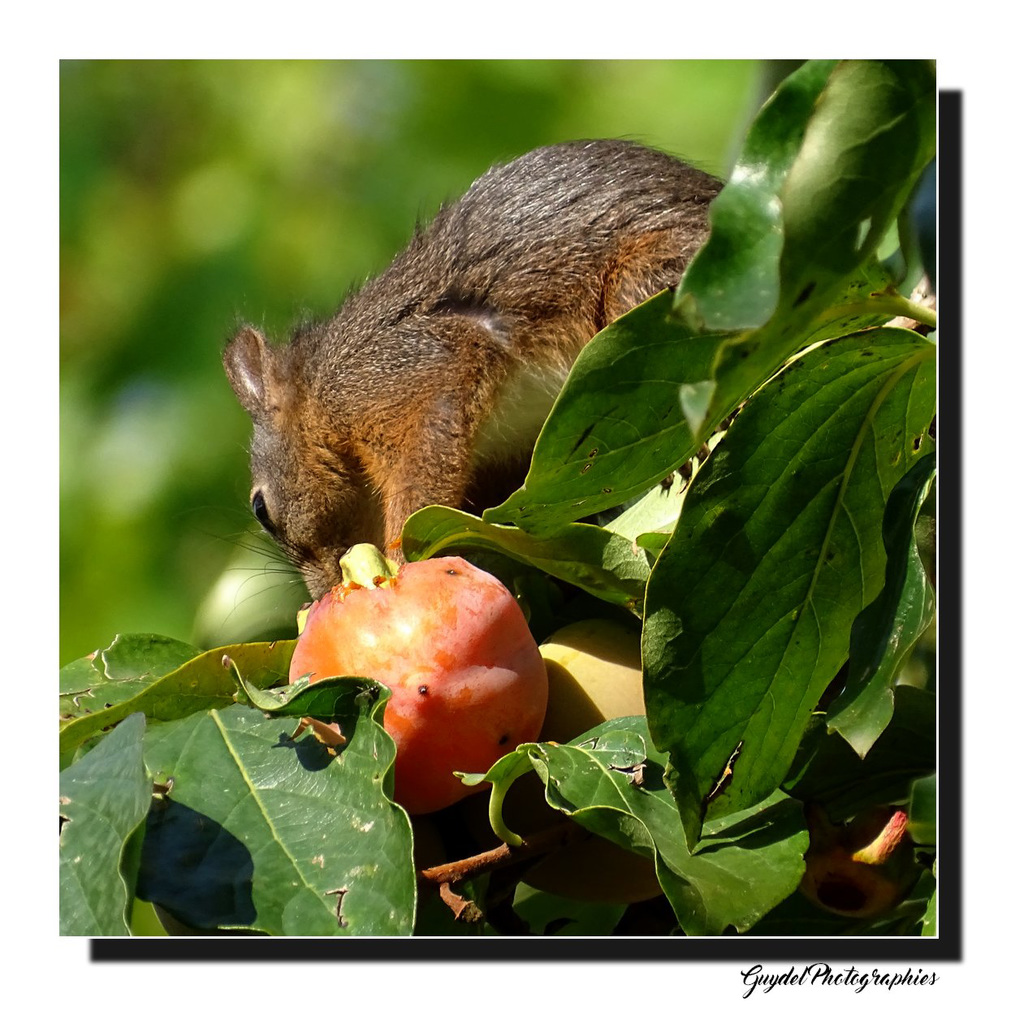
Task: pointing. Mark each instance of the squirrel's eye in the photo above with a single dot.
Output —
(259, 510)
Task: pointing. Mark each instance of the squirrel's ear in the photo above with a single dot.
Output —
(246, 361)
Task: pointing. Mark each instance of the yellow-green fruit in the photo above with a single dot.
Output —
(593, 675)
(596, 871)
(593, 869)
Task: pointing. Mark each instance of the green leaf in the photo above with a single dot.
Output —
(826, 168)
(655, 513)
(546, 914)
(866, 130)
(145, 921)
(144, 657)
(260, 831)
(323, 698)
(930, 919)
(695, 400)
(617, 427)
(827, 771)
(104, 798)
(609, 781)
(115, 673)
(921, 817)
(778, 548)
(871, 135)
(886, 631)
(749, 861)
(733, 283)
(204, 681)
(596, 560)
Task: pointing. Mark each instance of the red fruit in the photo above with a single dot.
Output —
(468, 683)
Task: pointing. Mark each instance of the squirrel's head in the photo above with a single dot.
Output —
(311, 498)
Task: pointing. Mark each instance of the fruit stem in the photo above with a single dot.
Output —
(365, 566)
(500, 829)
(881, 848)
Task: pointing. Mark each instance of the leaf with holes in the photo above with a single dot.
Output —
(104, 798)
(263, 832)
(117, 672)
(138, 675)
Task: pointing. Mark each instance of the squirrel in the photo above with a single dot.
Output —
(431, 382)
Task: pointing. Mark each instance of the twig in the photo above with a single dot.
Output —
(463, 909)
(552, 838)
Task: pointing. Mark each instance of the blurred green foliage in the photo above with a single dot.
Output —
(197, 194)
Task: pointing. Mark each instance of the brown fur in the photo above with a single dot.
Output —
(379, 411)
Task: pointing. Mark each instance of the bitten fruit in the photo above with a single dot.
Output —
(862, 868)
(467, 680)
